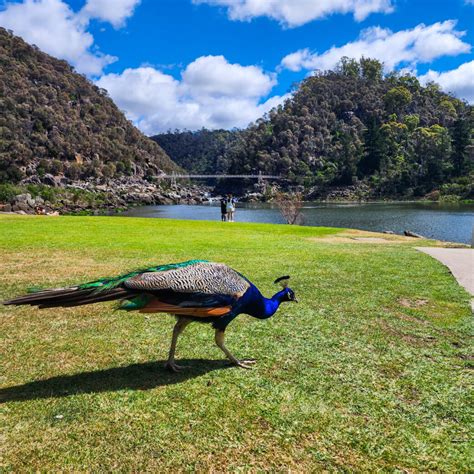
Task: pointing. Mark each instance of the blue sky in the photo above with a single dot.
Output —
(223, 63)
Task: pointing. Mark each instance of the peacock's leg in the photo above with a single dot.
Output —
(179, 327)
(220, 336)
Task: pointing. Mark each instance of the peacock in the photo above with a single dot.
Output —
(195, 290)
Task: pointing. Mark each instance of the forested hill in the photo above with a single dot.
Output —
(350, 126)
(56, 121)
(201, 152)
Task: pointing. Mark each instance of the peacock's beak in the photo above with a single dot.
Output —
(295, 300)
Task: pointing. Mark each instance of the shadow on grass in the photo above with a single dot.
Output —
(136, 376)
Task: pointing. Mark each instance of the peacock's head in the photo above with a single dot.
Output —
(288, 293)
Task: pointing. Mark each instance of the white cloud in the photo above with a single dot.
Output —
(214, 76)
(112, 11)
(301, 59)
(293, 13)
(421, 44)
(212, 93)
(57, 30)
(459, 81)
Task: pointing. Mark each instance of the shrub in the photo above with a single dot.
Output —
(9, 191)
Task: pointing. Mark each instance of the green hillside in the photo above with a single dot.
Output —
(354, 126)
(56, 121)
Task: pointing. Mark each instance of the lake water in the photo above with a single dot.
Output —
(451, 222)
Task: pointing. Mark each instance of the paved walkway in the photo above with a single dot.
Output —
(459, 261)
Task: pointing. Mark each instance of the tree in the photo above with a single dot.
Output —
(448, 112)
(411, 121)
(394, 163)
(348, 67)
(433, 146)
(397, 98)
(73, 171)
(461, 140)
(373, 148)
(372, 69)
(290, 207)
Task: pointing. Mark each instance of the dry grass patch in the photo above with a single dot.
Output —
(355, 236)
(51, 267)
(410, 338)
(364, 237)
(412, 303)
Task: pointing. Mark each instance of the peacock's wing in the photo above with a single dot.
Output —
(201, 277)
(201, 289)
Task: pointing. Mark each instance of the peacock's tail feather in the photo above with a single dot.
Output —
(67, 297)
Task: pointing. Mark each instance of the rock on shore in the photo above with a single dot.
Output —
(58, 194)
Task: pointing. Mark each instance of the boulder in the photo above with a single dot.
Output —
(22, 197)
(21, 206)
(51, 180)
(163, 200)
(413, 234)
(146, 198)
(31, 180)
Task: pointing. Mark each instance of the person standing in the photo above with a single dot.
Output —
(230, 208)
(223, 209)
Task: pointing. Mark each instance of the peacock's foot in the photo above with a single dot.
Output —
(173, 367)
(246, 363)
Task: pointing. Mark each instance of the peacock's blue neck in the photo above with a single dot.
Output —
(256, 305)
(272, 304)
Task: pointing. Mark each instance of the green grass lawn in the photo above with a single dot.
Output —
(369, 372)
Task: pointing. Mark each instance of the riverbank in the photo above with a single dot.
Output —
(56, 194)
(370, 371)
